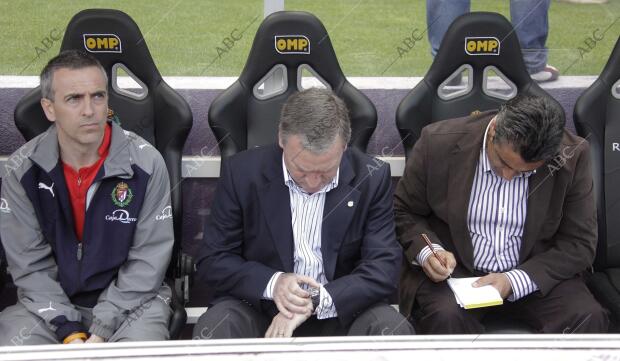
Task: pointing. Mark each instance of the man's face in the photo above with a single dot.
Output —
(79, 107)
(311, 171)
(505, 161)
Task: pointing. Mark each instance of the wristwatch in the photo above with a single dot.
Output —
(315, 296)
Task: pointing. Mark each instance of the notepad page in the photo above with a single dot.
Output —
(468, 296)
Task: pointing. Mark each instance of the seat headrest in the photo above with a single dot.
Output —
(480, 39)
(596, 116)
(611, 71)
(112, 37)
(292, 38)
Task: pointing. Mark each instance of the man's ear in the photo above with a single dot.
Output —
(492, 127)
(280, 142)
(48, 109)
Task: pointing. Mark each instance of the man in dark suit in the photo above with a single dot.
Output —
(301, 238)
(506, 196)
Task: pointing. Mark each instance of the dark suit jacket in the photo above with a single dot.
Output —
(249, 236)
(432, 197)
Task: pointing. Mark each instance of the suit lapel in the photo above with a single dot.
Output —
(463, 163)
(276, 206)
(540, 188)
(340, 205)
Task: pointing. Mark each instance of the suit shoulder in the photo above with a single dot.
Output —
(363, 162)
(570, 139)
(458, 125)
(254, 160)
(572, 148)
(253, 154)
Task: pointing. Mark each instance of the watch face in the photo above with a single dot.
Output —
(315, 296)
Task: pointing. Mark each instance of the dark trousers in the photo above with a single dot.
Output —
(567, 308)
(237, 319)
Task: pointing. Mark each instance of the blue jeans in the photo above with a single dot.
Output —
(529, 18)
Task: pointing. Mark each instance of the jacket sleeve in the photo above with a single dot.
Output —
(411, 208)
(142, 275)
(221, 264)
(31, 261)
(375, 277)
(574, 242)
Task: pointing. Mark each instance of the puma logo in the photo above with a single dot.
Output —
(50, 308)
(165, 300)
(4, 206)
(45, 186)
(143, 145)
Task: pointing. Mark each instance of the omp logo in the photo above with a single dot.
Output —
(482, 46)
(165, 214)
(120, 215)
(102, 43)
(292, 44)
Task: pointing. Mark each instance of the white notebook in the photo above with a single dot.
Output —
(468, 296)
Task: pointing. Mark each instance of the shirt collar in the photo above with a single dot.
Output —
(484, 158)
(290, 182)
(104, 148)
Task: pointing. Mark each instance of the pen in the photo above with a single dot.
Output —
(430, 245)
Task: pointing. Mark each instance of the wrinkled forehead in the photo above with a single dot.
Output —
(67, 79)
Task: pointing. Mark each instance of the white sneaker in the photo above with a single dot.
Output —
(584, 1)
(549, 73)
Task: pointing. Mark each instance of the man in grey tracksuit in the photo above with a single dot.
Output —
(88, 261)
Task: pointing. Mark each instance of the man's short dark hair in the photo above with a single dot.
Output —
(532, 125)
(318, 117)
(68, 59)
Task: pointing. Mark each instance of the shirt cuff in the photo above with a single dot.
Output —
(426, 252)
(326, 307)
(101, 330)
(268, 292)
(522, 285)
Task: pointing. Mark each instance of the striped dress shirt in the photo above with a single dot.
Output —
(496, 220)
(307, 222)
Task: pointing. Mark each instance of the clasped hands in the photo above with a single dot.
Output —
(436, 272)
(294, 304)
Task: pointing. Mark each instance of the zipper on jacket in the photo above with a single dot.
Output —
(80, 253)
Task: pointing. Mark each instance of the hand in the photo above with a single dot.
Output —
(435, 270)
(282, 326)
(498, 280)
(94, 339)
(289, 297)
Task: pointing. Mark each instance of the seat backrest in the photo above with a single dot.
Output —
(596, 115)
(484, 48)
(154, 111)
(247, 114)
